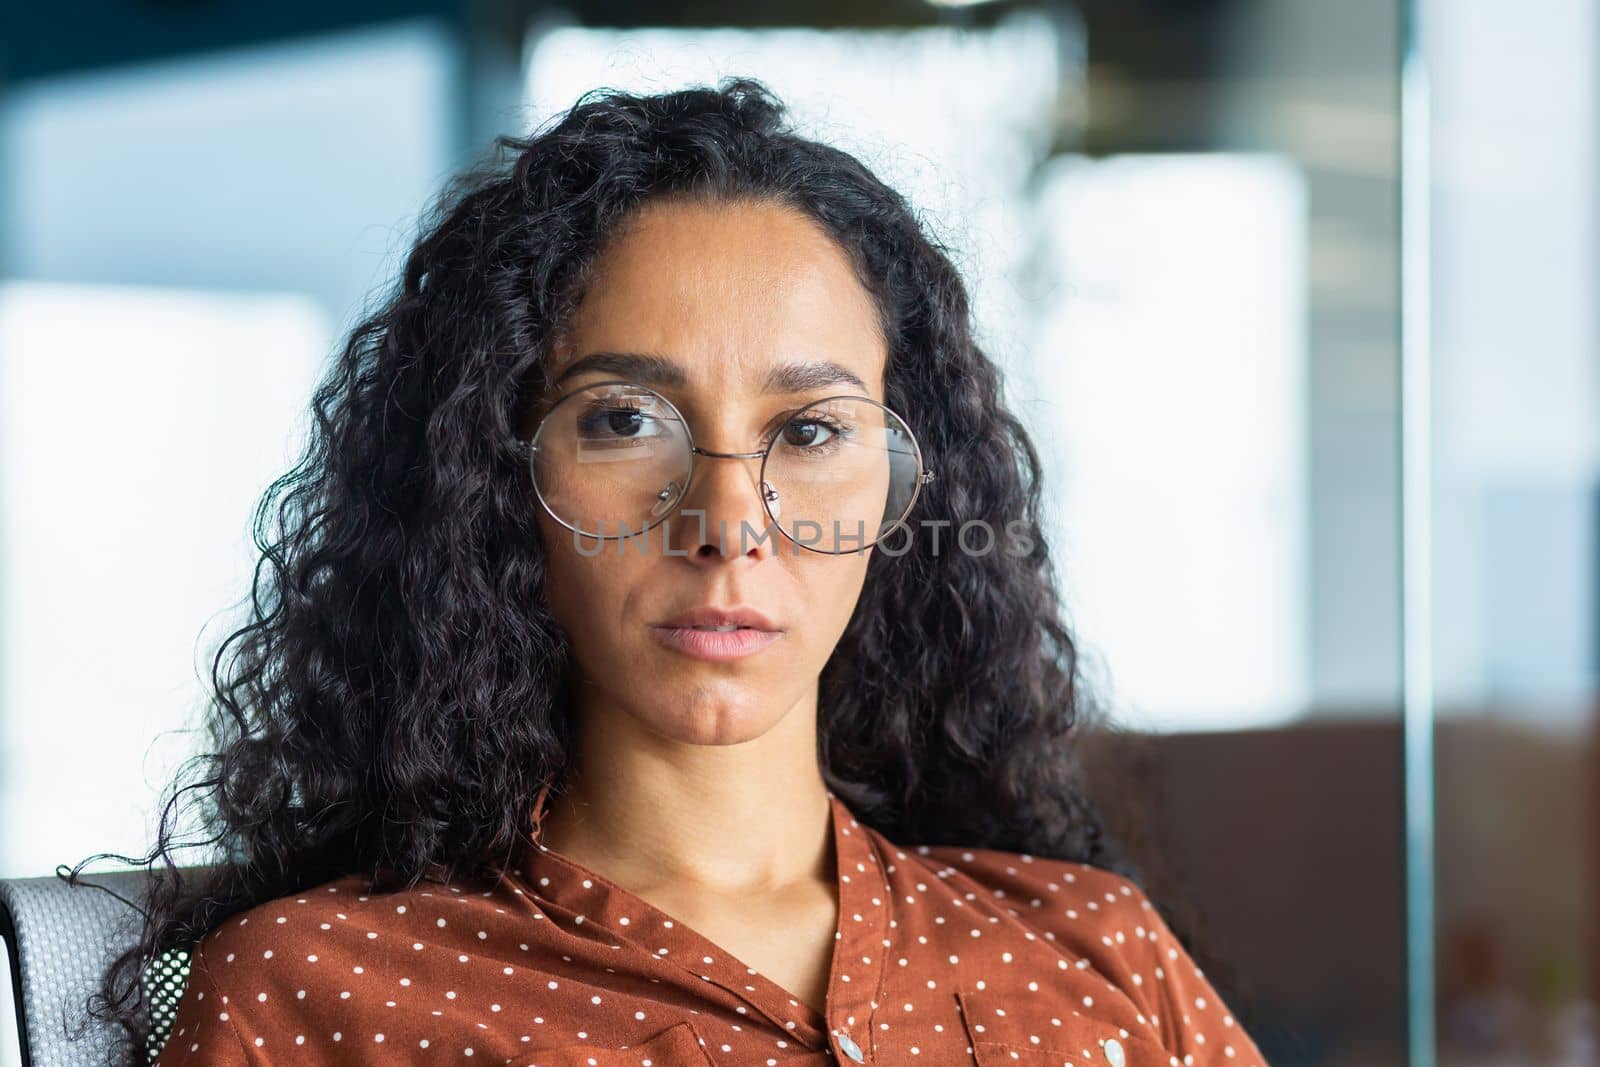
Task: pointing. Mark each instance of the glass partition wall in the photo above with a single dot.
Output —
(1507, 107)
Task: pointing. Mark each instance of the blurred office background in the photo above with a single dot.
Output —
(1298, 298)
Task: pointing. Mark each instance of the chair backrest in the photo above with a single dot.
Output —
(60, 938)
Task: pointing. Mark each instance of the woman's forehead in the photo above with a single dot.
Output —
(751, 298)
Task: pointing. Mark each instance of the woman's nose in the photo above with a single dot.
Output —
(722, 516)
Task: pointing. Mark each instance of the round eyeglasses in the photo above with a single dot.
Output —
(614, 459)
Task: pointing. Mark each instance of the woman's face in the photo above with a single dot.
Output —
(727, 297)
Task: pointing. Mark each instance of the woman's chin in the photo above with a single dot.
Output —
(726, 713)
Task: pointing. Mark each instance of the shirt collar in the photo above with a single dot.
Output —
(860, 938)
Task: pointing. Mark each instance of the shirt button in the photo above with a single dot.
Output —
(1114, 1052)
(851, 1049)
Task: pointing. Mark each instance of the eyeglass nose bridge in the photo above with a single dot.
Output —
(697, 450)
(769, 495)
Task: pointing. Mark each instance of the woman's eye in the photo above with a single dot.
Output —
(624, 423)
(614, 422)
(807, 433)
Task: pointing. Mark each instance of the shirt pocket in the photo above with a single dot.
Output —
(676, 1046)
(1004, 1035)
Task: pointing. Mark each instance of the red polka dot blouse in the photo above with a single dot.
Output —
(942, 955)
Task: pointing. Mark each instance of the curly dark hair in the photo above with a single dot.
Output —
(398, 696)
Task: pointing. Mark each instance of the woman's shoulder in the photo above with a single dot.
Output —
(342, 926)
(1100, 916)
(1071, 888)
(1100, 912)
(310, 969)
(325, 909)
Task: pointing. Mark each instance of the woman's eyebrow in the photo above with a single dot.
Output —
(648, 368)
(643, 367)
(815, 374)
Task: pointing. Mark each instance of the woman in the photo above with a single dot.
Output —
(659, 661)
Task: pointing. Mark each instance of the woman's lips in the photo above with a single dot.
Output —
(714, 644)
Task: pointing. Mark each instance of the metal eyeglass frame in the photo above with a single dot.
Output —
(528, 448)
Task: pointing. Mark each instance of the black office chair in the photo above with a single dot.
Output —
(60, 937)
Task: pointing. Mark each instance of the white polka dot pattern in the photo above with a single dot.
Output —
(942, 955)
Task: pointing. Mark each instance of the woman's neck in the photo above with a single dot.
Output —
(734, 820)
